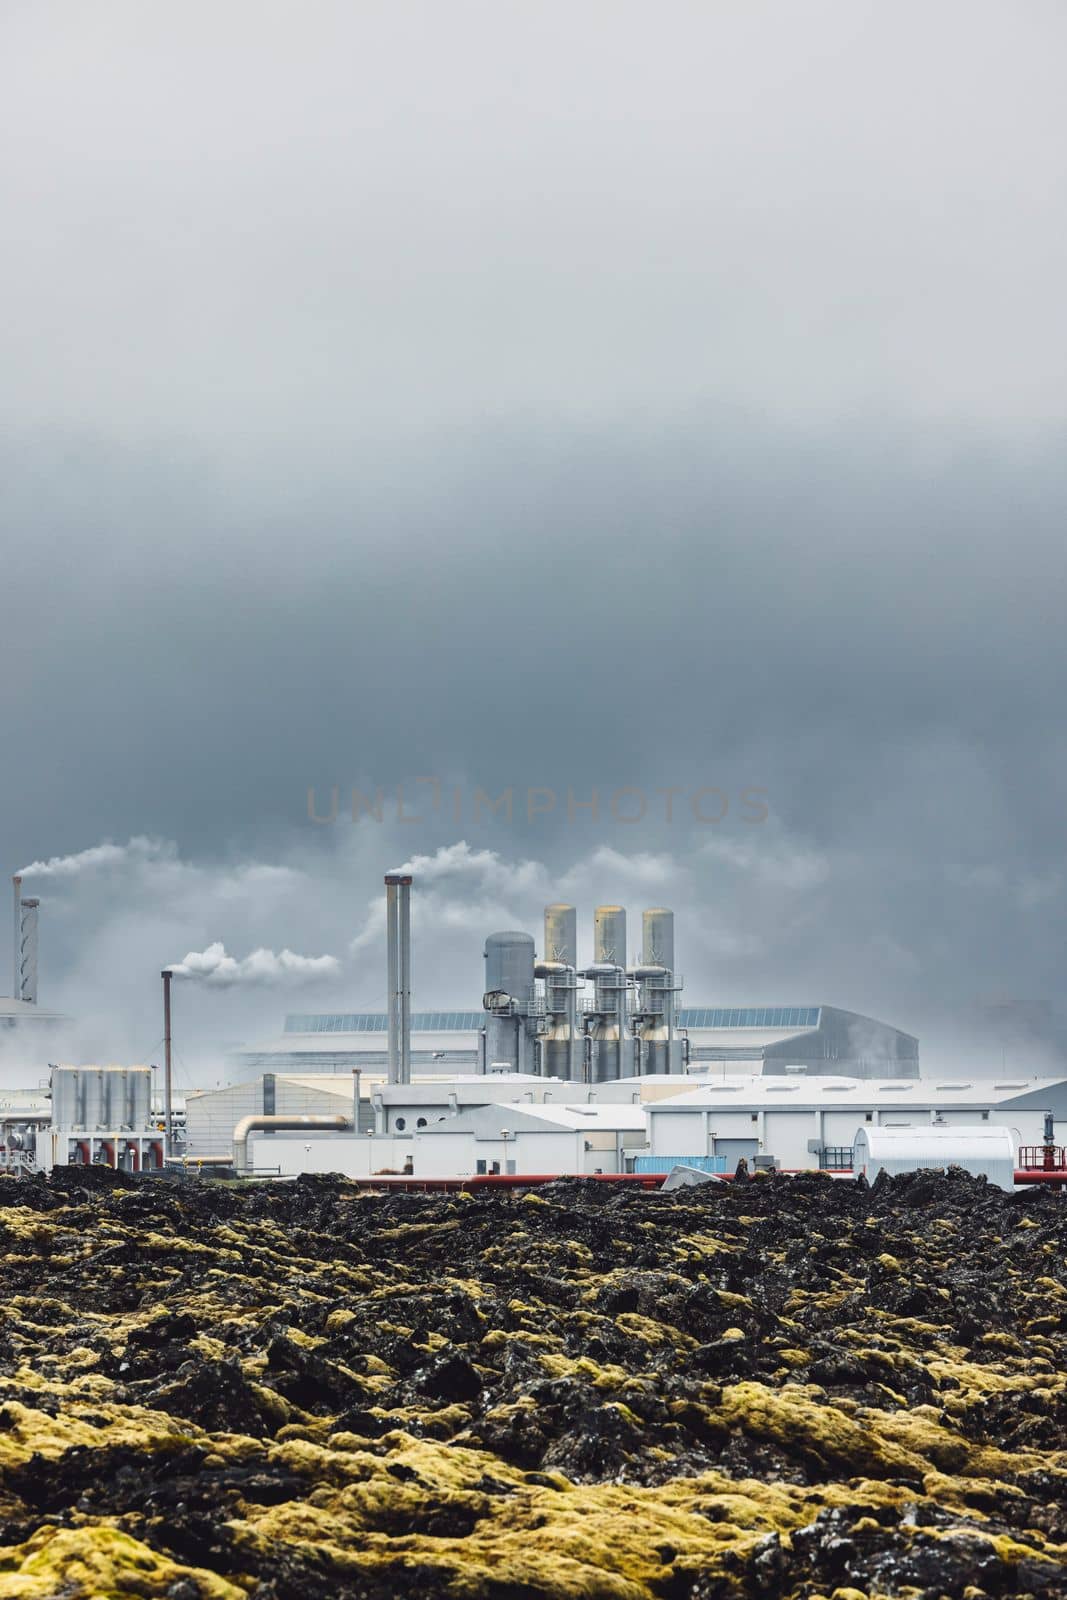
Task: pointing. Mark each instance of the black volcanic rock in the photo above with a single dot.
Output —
(788, 1386)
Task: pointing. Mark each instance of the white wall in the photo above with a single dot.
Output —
(678, 1133)
(444, 1155)
(362, 1157)
(786, 1132)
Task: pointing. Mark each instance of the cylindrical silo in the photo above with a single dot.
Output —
(609, 935)
(656, 977)
(509, 966)
(509, 988)
(657, 930)
(561, 935)
(561, 1045)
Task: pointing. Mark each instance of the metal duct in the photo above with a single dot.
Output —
(248, 1125)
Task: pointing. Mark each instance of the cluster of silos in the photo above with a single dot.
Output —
(87, 1099)
(622, 1026)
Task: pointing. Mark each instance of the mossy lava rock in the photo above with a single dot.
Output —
(784, 1387)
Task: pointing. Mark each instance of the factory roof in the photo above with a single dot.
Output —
(786, 1018)
(577, 1117)
(486, 1120)
(834, 1093)
(24, 1011)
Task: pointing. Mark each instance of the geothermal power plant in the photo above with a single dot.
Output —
(582, 1060)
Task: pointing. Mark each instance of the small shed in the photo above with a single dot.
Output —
(983, 1150)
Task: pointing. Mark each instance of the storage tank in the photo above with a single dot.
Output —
(561, 934)
(91, 1098)
(509, 986)
(657, 1049)
(509, 964)
(984, 1151)
(657, 938)
(561, 1043)
(609, 935)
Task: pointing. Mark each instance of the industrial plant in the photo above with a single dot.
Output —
(585, 1066)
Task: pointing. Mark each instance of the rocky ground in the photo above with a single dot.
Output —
(785, 1387)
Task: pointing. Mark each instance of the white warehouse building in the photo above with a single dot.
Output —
(532, 1139)
(813, 1122)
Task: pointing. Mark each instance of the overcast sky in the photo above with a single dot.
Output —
(546, 396)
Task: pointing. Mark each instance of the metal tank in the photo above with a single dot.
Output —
(508, 1000)
(561, 1042)
(657, 938)
(561, 934)
(91, 1098)
(609, 935)
(610, 1044)
(656, 1047)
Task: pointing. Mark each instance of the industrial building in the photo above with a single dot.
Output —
(100, 1116)
(584, 1023)
(767, 1039)
(569, 1067)
(807, 1122)
(28, 1032)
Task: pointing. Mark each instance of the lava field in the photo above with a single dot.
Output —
(783, 1387)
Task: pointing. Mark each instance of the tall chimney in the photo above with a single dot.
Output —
(16, 884)
(398, 974)
(392, 1017)
(405, 980)
(27, 967)
(168, 1118)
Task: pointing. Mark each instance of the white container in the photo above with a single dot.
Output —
(984, 1151)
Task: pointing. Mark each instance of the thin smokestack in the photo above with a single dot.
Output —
(405, 980)
(167, 1096)
(27, 965)
(398, 974)
(16, 884)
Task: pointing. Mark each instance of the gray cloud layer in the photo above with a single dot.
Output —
(650, 397)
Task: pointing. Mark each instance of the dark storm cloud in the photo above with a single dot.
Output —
(661, 398)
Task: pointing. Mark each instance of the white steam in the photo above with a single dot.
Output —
(139, 849)
(263, 967)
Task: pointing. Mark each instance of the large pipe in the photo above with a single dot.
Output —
(16, 884)
(246, 1126)
(168, 1118)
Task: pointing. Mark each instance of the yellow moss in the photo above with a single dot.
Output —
(99, 1561)
(653, 1333)
(27, 1432)
(794, 1358)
